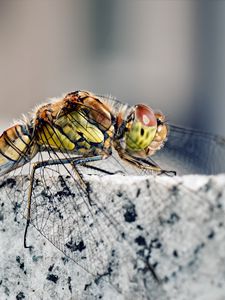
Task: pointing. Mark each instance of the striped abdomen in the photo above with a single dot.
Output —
(16, 148)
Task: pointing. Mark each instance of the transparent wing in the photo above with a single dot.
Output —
(192, 151)
(84, 230)
(80, 228)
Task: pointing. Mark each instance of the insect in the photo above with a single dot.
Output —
(77, 131)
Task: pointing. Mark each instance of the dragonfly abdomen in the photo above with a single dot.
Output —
(16, 148)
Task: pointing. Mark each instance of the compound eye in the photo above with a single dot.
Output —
(145, 115)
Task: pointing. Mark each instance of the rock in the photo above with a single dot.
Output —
(159, 237)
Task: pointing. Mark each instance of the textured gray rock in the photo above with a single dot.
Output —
(172, 229)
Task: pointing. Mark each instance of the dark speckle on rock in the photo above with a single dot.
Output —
(87, 286)
(155, 244)
(6, 291)
(69, 284)
(75, 246)
(220, 224)
(51, 268)
(155, 265)
(166, 279)
(173, 218)
(65, 259)
(119, 194)
(140, 227)
(123, 235)
(147, 184)
(175, 253)
(207, 186)
(175, 190)
(130, 214)
(219, 195)
(140, 240)
(173, 274)
(20, 296)
(107, 273)
(16, 207)
(138, 193)
(21, 264)
(113, 253)
(52, 277)
(198, 248)
(219, 205)
(211, 234)
(9, 182)
(141, 252)
(36, 258)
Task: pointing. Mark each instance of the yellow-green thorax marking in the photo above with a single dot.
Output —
(81, 125)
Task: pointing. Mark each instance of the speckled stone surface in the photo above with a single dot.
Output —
(174, 246)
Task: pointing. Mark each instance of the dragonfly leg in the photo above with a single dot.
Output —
(145, 164)
(29, 207)
(102, 170)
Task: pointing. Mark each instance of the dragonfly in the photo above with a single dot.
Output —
(68, 137)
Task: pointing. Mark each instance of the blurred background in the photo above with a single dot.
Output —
(169, 54)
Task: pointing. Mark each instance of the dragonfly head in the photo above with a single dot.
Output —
(145, 130)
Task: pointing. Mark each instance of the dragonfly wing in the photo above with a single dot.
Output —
(192, 151)
(83, 229)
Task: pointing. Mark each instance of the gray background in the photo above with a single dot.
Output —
(168, 54)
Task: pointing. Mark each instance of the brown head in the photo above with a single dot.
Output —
(145, 131)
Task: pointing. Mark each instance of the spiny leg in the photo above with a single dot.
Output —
(102, 170)
(151, 162)
(73, 161)
(145, 164)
